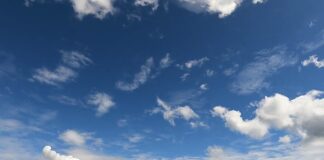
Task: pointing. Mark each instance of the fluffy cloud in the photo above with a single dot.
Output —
(52, 155)
(153, 3)
(253, 77)
(102, 101)
(284, 139)
(73, 137)
(97, 8)
(64, 72)
(170, 114)
(221, 7)
(258, 1)
(313, 60)
(300, 116)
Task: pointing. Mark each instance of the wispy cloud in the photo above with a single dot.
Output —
(64, 72)
(147, 71)
(253, 77)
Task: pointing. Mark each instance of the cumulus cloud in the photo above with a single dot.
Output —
(284, 139)
(98, 8)
(53, 155)
(221, 7)
(301, 116)
(313, 60)
(102, 101)
(170, 114)
(73, 137)
(152, 3)
(64, 72)
(253, 77)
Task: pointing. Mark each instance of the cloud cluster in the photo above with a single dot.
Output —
(65, 72)
(313, 60)
(195, 63)
(53, 155)
(102, 101)
(152, 3)
(301, 116)
(97, 8)
(253, 77)
(145, 73)
(170, 114)
(79, 139)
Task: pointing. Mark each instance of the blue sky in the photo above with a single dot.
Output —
(161, 80)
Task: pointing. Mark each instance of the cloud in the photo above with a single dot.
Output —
(258, 1)
(102, 101)
(75, 59)
(210, 73)
(166, 61)
(232, 70)
(196, 62)
(198, 124)
(136, 138)
(301, 116)
(170, 114)
(139, 79)
(253, 77)
(152, 3)
(315, 44)
(122, 123)
(64, 72)
(284, 139)
(61, 74)
(204, 86)
(52, 155)
(184, 76)
(73, 137)
(98, 8)
(313, 60)
(79, 139)
(221, 7)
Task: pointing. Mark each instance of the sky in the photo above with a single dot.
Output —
(161, 80)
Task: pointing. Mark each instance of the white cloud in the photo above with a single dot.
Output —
(232, 70)
(221, 7)
(102, 101)
(313, 60)
(122, 123)
(184, 76)
(166, 61)
(203, 86)
(284, 139)
(139, 79)
(97, 8)
(73, 137)
(258, 1)
(52, 155)
(196, 62)
(61, 74)
(153, 3)
(198, 124)
(136, 138)
(75, 59)
(301, 116)
(170, 113)
(253, 77)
